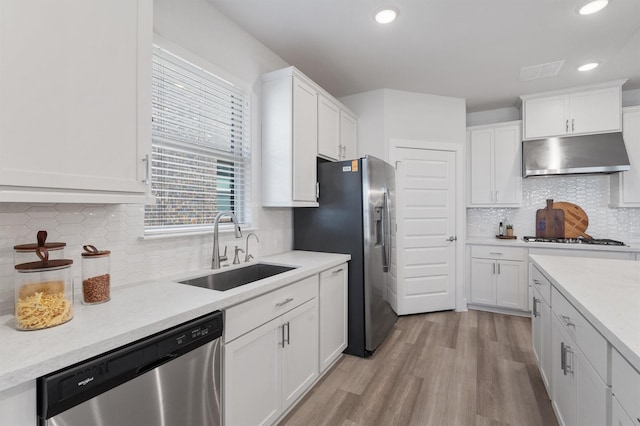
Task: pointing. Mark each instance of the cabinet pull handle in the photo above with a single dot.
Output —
(535, 307)
(568, 368)
(567, 126)
(288, 333)
(536, 282)
(282, 327)
(284, 302)
(567, 321)
(337, 271)
(496, 200)
(572, 127)
(563, 358)
(494, 268)
(495, 253)
(147, 170)
(498, 269)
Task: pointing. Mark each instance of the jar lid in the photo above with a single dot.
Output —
(92, 251)
(44, 263)
(42, 237)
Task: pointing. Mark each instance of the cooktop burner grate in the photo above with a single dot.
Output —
(595, 241)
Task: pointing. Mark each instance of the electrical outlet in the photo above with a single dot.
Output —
(483, 230)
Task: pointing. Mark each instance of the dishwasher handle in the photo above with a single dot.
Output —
(156, 363)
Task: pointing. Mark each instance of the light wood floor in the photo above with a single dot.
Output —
(444, 368)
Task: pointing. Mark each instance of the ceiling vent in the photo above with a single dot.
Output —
(536, 72)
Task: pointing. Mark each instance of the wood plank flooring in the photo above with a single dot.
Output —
(444, 368)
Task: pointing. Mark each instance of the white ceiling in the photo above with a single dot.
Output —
(472, 49)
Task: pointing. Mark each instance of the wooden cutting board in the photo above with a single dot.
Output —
(550, 222)
(576, 220)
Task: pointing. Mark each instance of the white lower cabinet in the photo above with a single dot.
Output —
(498, 277)
(270, 354)
(579, 394)
(619, 417)
(333, 315)
(625, 387)
(541, 335)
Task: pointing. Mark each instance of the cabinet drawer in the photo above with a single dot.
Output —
(246, 316)
(541, 284)
(625, 384)
(499, 252)
(593, 345)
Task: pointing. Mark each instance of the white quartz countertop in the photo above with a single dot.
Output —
(606, 292)
(135, 311)
(519, 242)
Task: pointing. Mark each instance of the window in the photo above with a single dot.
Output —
(200, 147)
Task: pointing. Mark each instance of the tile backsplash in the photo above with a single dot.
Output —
(591, 192)
(118, 228)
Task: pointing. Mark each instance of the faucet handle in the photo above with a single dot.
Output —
(224, 256)
(236, 259)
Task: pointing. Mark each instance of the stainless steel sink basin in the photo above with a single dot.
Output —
(232, 278)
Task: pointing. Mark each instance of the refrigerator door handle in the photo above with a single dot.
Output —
(386, 229)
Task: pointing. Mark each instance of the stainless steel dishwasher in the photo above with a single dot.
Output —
(170, 378)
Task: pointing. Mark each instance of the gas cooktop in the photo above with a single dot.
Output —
(596, 241)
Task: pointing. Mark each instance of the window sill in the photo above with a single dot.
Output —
(226, 229)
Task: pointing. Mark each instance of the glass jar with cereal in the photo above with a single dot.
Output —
(43, 292)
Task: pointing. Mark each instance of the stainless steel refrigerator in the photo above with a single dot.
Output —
(356, 206)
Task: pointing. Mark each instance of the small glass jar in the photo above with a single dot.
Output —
(43, 293)
(96, 277)
(25, 253)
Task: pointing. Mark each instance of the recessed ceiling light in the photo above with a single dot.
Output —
(588, 67)
(385, 15)
(592, 7)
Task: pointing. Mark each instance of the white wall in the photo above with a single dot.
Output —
(198, 28)
(493, 116)
(395, 114)
(630, 97)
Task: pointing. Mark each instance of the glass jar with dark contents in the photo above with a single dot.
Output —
(96, 277)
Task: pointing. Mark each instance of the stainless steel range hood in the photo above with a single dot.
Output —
(602, 153)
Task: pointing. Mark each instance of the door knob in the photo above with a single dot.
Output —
(452, 238)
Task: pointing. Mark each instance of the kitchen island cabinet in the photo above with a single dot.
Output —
(577, 111)
(625, 186)
(75, 101)
(541, 324)
(595, 338)
(496, 165)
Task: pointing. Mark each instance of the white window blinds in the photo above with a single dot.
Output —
(200, 147)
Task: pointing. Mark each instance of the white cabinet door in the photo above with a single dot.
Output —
(541, 337)
(305, 142)
(511, 286)
(546, 116)
(481, 157)
(333, 315)
(507, 151)
(595, 111)
(495, 160)
(299, 351)
(591, 392)
(75, 99)
(251, 381)
(483, 282)
(619, 417)
(625, 186)
(328, 128)
(564, 395)
(348, 136)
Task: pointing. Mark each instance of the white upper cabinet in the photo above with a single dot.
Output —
(328, 129)
(75, 100)
(496, 165)
(289, 139)
(625, 186)
(593, 109)
(348, 136)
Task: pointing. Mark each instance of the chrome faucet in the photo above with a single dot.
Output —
(215, 260)
(247, 256)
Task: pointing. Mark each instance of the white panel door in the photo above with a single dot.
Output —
(425, 188)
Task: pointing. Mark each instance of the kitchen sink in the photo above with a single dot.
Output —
(233, 278)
